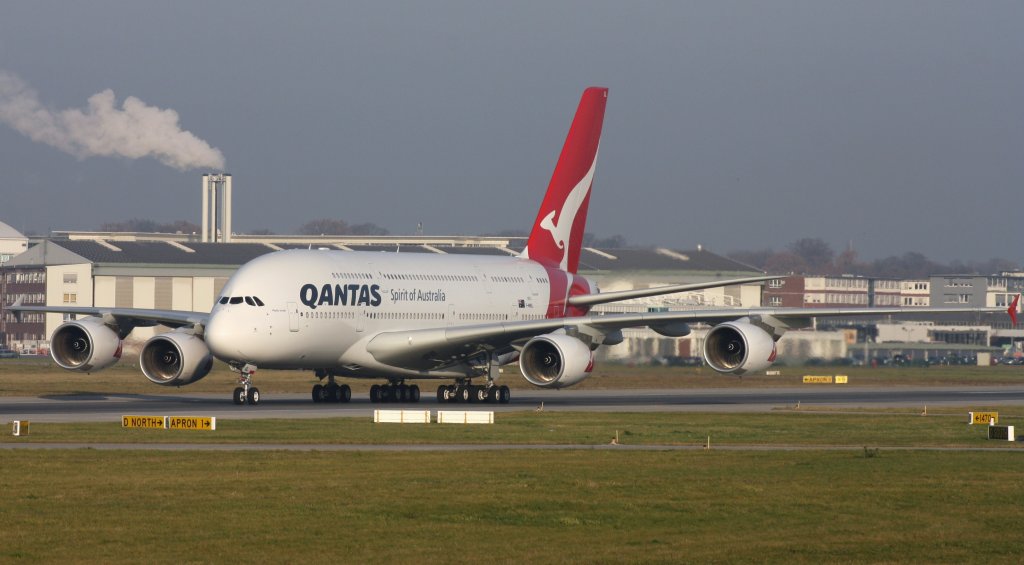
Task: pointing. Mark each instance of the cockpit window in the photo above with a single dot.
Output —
(250, 300)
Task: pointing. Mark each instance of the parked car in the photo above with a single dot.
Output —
(8, 354)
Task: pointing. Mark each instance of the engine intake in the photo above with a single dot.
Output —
(738, 348)
(555, 361)
(175, 359)
(85, 345)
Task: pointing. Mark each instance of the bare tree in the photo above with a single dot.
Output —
(150, 226)
(815, 252)
(324, 226)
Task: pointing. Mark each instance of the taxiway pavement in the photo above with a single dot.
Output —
(105, 407)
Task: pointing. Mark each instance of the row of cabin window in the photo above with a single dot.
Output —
(250, 300)
(366, 276)
(448, 278)
(411, 316)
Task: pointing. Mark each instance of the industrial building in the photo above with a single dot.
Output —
(12, 243)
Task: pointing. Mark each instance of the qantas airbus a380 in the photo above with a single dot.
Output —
(401, 316)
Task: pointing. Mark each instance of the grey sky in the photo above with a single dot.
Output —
(737, 125)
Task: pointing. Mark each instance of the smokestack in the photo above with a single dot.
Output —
(216, 193)
(205, 237)
(226, 209)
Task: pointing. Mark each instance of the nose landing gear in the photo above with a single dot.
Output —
(246, 394)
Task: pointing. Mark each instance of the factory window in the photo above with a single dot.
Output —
(70, 278)
(70, 297)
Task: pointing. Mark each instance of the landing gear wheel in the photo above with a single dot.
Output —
(442, 393)
(414, 393)
(334, 393)
(463, 393)
(318, 393)
(481, 394)
(402, 393)
(345, 393)
(504, 395)
(375, 393)
(492, 394)
(245, 394)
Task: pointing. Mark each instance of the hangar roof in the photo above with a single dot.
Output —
(231, 254)
(7, 232)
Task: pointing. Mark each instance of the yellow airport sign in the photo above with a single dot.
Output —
(811, 379)
(983, 418)
(842, 379)
(150, 422)
(19, 427)
(191, 423)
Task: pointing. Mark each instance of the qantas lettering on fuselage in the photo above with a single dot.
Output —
(340, 294)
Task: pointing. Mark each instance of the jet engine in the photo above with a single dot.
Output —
(555, 361)
(175, 359)
(739, 347)
(85, 345)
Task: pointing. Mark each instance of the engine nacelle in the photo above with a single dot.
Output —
(739, 347)
(175, 359)
(555, 361)
(85, 345)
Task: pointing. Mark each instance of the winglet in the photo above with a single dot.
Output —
(1012, 310)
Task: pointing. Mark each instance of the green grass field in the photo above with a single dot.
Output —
(864, 504)
(510, 507)
(941, 428)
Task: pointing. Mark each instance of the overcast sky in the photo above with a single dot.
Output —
(737, 125)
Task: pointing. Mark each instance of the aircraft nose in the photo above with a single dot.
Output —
(222, 341)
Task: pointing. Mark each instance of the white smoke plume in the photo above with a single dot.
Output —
(102, 129)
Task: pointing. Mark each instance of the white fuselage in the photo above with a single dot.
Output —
(321, 307)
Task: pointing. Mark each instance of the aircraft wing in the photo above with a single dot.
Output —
(434, 348)
(124, 317)
(617, 296)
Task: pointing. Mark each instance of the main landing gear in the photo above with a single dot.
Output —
(394, 392)
(332, 391)
(246, 394)
(465, 392)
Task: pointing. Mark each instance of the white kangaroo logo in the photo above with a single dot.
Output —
(561, 231)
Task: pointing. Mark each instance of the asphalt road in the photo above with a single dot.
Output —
(91, 408)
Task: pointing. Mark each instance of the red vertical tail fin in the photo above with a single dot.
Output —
(557, 234)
